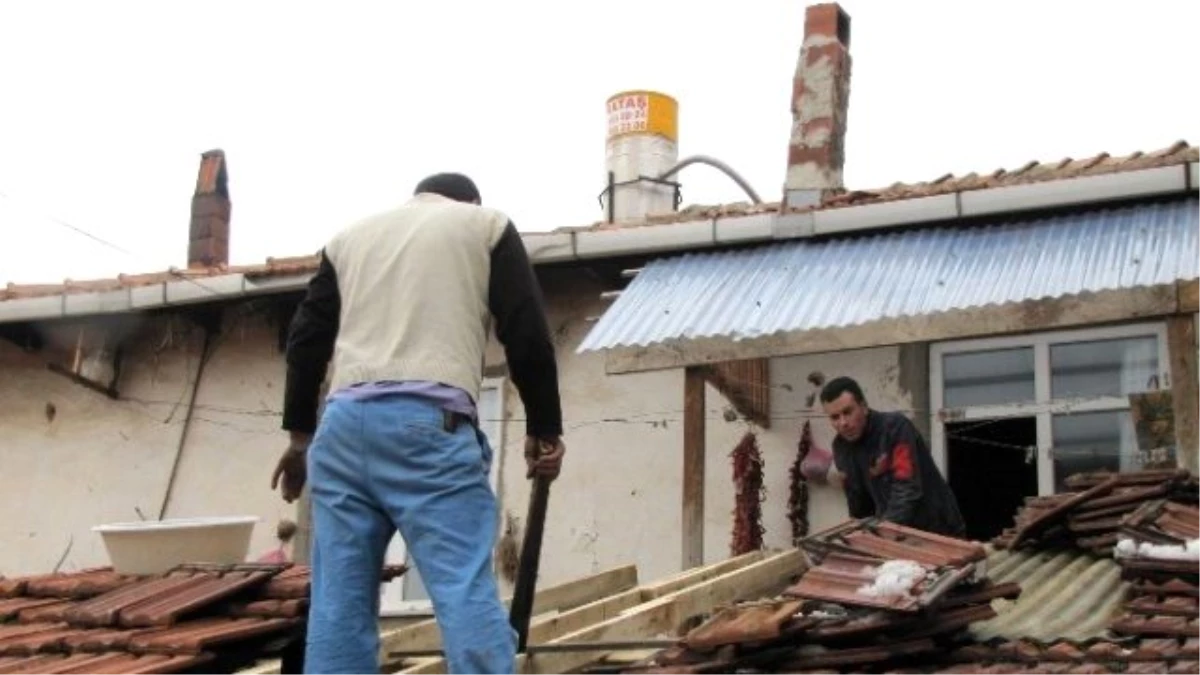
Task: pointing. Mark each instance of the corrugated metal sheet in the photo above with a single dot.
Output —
(1068, 595)
(798, 286)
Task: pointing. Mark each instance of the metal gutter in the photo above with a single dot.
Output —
(557, 247)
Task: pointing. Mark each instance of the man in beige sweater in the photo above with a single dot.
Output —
(400, 309)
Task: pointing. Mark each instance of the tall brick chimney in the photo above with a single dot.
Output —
(820, 99)
(208, 235)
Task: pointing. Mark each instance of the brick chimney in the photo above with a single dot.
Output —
(208, 235)
(820, 98)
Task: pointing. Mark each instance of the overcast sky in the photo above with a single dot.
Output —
(329, 114)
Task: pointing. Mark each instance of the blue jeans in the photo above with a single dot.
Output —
(384, 464)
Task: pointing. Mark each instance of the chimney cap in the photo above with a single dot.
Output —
(827, 19)
(213, 177)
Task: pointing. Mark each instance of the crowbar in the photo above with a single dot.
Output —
(521, 609)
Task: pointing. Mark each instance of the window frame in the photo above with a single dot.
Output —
(1043, 407)
(423, 607)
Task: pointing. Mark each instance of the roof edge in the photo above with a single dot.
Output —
(709, 232)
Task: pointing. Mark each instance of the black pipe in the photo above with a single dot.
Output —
(187, 421)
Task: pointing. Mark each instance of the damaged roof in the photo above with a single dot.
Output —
(1047, 606)
(1033, 172)
(217, 617)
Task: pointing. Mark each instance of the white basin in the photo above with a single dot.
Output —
(155, 546)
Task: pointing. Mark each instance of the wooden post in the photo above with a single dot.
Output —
(692, 529)
(1181, 346)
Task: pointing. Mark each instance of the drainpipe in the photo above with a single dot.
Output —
(187, 420)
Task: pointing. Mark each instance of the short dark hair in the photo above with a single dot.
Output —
(454, 186)
(840, 385)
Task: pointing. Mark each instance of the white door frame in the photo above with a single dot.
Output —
(392, 602)
(1043, 407)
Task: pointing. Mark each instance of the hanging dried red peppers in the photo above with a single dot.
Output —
(748, 496)
(798, 493)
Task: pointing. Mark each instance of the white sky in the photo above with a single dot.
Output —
(329, 114)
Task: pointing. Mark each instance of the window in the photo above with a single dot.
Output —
(1073, 387)
(407, 595)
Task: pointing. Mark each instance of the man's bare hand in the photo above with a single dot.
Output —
(292, 469)
(543, 456)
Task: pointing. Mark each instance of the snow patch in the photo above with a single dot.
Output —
(1128, 548)
(894, 578)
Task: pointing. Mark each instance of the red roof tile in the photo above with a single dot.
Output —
(165, 609)
(200, 634)
(115, 662)
(746, 624)
(107, 609)
(1032, 172)
(95, 635)
(84, 584)
(848, 558)
(11, 607)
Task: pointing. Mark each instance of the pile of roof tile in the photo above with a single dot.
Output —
(1156, 629)
(1093, 656)
(876, 594)
(215, 618)
(1090, 517)
(1158, 551)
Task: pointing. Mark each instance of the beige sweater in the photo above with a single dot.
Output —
(414, 293)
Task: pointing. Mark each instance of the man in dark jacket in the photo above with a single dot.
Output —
(888, 470)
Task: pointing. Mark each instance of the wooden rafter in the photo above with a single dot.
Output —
(747, 385)
(583, 592)
(647, 610)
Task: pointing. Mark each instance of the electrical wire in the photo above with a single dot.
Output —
(104, 242)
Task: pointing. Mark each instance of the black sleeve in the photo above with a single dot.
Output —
(515, 300)
(858, 503)
(906, 492)
(310, 341)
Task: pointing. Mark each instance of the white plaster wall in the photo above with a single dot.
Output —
(876, 370)
(101, 460)
(617, 502)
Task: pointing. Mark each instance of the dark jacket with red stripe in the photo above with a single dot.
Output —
(890, 474)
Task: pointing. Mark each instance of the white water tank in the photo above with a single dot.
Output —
(643, 135)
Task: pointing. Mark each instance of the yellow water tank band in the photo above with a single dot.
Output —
(643, 112)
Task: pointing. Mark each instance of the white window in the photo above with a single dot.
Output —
(407, 595)
(1069, 388)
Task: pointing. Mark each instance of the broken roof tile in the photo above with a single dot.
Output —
(1045, 520)
(740, 624)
